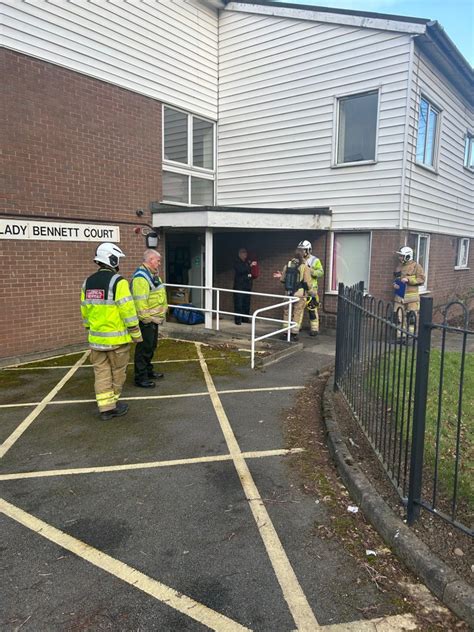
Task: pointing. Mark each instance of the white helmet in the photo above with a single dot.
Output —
(305, 245)
(109, 254)
(406, 252)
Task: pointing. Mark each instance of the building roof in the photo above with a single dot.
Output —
(430, 37)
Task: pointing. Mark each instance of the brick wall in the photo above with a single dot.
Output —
(74, 147)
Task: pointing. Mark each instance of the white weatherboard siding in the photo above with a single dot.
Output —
(278, 83)
(165, 49)
(441, 202)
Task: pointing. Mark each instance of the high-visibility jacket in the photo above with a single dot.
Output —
(316, 270)
(304, 278)
(413, 272)
(149, 294)
(108, 310)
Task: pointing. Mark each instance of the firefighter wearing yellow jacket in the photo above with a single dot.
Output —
(316, 270)
(151, 303)
(410, 275)
(109, 315)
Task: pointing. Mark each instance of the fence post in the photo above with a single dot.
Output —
(339, 333)
(419, 408)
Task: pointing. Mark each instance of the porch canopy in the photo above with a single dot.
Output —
(228, 217)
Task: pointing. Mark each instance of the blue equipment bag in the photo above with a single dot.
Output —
(188, 316)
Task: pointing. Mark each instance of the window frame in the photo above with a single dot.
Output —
(336, 131)
(468, 151)
(188, 169)
(423, 288)
(458, 265)
(437, 138)
(329, 289)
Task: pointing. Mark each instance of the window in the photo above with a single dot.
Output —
(469, 152)
(462, 255)
(421, 249)
(188, 158)
(350, 260)
(427, 133)
(357, 127)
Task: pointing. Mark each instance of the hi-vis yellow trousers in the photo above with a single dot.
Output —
(110, 371)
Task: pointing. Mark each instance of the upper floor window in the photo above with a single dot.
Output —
(469, 152)
(357, 127)
(188, 158)
(462, 255)
(427, 133)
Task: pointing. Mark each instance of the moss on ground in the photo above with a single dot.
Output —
(169, 349)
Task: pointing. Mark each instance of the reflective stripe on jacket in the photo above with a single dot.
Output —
(316, 270)
(149, 294)
(108, 310)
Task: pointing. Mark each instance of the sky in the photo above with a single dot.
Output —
(455, 16)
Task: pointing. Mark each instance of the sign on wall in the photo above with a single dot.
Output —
(56, 231)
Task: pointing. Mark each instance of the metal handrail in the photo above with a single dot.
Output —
(287, 300)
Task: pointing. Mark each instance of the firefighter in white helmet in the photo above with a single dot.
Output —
(316, 271)
(109, 315)
(409, 275)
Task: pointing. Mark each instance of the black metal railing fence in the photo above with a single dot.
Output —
(396, 387)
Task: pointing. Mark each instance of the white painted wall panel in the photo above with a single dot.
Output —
(165, 49)
(442, 201)
(279, 79)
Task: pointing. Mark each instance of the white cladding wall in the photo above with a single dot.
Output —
(441, 202)
(165, 49)
(278, 83)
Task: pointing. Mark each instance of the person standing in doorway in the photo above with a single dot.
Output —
(316, 270)
(151, 303)
(243, 280)
(109, 315)
(296, 279)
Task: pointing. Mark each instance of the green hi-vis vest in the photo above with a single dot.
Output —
(149, 294)
(316, 268)
(108, 310)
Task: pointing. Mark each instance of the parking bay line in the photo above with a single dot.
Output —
(151, 397)
(123, 467)
(292, 591)
(169, 596)
(90, 366)
(16, 434)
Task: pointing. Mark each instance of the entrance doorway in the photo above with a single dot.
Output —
(185, 262)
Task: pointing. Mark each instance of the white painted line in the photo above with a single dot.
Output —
(145, 466)
(58, 402)
(126, 573)
(90, 366)
(292, 591)
(62, 355)
(16, 434)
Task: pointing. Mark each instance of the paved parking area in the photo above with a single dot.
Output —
(182, 515)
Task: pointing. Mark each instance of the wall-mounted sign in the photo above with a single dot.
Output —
(56, 231)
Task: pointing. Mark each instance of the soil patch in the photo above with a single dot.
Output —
(318, 476)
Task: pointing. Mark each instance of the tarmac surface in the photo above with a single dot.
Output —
(182, 515)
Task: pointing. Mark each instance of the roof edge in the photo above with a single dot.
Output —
(161, 207)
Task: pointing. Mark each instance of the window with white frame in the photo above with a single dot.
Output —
(350, 259)
(188, 158)
(428, 122)
(462, 255)
(357, 127)
(420, 243)
(469, 152)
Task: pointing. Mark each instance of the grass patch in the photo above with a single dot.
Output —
(169, 349)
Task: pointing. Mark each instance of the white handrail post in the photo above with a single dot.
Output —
(252, 358)
(218, 306)
(290, 306)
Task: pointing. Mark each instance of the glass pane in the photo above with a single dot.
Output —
(176, 136)
(471, 154)
(357, 128)
(431, 137)
(202, 191)
(463, 253)
(422, 252)
(203, 146)
(351, 259)
(467, 150)
(422, 125)
(175, 187)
